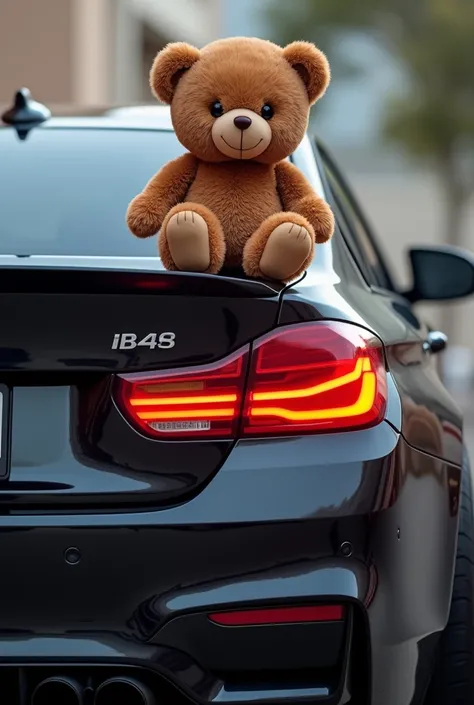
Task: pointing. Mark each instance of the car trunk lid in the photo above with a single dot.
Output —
(68, 331)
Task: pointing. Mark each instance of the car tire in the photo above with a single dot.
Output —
(453, 677)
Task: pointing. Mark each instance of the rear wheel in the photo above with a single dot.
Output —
(453, 679)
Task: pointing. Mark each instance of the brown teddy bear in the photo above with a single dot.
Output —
(241, 107)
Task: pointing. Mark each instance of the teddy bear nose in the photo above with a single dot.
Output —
(242, 122)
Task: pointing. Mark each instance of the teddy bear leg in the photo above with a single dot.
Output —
(191, 240)
(282, 248)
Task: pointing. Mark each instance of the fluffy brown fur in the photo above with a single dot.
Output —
(166, 189)
(296, 195)
(242, 191)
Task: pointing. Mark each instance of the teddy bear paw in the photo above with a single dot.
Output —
(188, 241)
(288, 248)
(141, 220)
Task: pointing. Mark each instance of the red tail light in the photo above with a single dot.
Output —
(279, 615)
(202, 402)
(315, 377)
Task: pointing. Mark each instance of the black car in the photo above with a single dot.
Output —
(213, 489)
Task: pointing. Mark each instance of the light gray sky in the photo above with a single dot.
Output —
(352, 108)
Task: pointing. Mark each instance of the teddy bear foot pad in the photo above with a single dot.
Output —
(188, 240)
(287, 249)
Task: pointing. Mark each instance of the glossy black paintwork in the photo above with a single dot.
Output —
(165, 531)
(441, 273)
(96, 280)
(138, 571)
(106, 465)
(35, 337)
(230, 651)
(5, 411)
(83, 450)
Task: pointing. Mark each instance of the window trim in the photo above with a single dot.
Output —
(347, 242)
(322, 155)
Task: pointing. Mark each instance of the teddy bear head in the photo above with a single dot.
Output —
(240, 98)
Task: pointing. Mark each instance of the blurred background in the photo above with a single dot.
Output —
(399, 115)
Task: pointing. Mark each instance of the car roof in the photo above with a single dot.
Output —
(146, 116)
(139, 117)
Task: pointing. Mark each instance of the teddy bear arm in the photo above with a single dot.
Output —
(298, 196)
(147, 211)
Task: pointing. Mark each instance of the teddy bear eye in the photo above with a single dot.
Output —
(267, 112)
(217, 109)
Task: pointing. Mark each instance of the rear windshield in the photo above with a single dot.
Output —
(66, 191)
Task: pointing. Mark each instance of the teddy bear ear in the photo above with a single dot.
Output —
(311, 65)
(169, 66)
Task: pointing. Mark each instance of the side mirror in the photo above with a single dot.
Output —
(440, 273)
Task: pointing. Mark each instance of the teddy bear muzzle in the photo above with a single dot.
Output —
(241, 134)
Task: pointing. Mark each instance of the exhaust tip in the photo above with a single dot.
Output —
(123, 691)
(57, 689)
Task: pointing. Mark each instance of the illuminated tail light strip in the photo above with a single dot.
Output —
(363, 404)
(315, 377)
(204, 402)
(308, 378)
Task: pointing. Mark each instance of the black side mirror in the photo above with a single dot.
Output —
(441, 273)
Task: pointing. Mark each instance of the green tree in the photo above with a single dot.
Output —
(433, 41)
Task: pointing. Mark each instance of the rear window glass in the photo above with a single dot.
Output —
(66, 191)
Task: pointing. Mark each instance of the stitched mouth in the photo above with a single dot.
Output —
(240, 149)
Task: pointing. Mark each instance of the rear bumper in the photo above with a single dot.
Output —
(365, 522)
